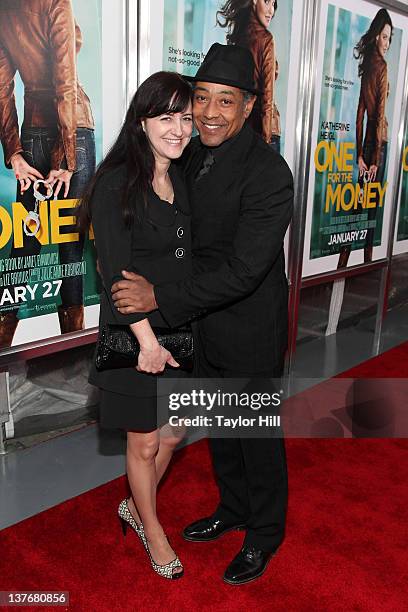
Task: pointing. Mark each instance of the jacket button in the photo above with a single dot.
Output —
(179, 253)
(180, 232)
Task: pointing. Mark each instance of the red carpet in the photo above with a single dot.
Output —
(346, 544)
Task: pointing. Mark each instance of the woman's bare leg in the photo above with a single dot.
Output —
(169, 438)
(142, 450)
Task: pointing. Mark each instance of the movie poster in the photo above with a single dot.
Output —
(360, 67)
(48, 278)
(178, 34)
(401, 230)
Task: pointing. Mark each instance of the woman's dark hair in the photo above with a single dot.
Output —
(235, 15)
(368, 42)
(163, 92)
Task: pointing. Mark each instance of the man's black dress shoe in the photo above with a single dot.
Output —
(207, 529)
(249, 564)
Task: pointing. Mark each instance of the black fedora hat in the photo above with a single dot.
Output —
(228, 65)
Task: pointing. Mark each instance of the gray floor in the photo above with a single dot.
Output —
(46, 474)
(49, 473)
(327, 356)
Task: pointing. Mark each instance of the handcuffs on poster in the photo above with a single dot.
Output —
(366, 177)
(33, 215)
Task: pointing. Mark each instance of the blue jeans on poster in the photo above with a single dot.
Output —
(275, 143)
(368, 151)
(37, 144)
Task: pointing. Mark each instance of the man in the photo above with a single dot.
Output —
(241, 197)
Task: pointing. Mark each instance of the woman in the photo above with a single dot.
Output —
(139, 211)
(40, 40)
(372, 152)
(247, 22)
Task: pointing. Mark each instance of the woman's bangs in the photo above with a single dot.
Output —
(176, 103)
(180, 99)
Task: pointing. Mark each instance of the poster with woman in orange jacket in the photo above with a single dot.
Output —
(47, 131)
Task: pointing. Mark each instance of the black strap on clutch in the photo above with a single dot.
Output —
(118, 347)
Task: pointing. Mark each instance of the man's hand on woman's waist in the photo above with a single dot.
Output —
(133, 294)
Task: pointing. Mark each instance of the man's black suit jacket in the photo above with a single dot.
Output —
(240, 212)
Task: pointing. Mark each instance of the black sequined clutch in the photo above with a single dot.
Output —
(118, 347)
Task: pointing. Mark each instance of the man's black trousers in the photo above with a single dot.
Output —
(251, 473)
